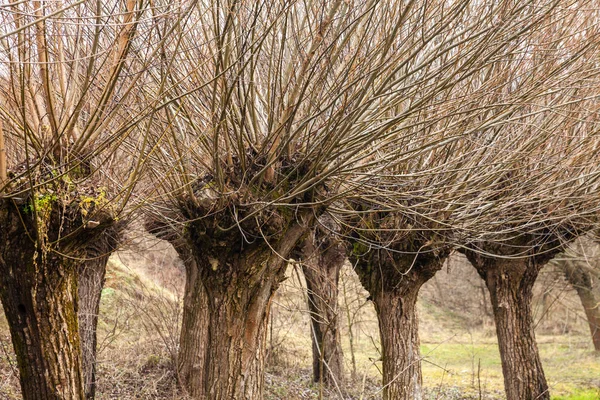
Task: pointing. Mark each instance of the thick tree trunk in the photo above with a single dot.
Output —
(193, 339)
(399, 333)
(321, 264)
(393, 280)
(39, 294)
(43, 326)
(91, 282)
(237, 339)
(239, 279)
(510, 283)
(584, 282)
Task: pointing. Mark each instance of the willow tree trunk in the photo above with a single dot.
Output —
(92, 272)
(321, 264)
(399, 333)
(586, 285)
(591, 305)
(193, 339)
(238, 315)
(394, 281)
(240, 279)
(91, 282)
(38, 290)
(510, 283)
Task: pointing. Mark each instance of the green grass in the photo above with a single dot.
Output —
(467, 364)
(458, 362)
(590, 394)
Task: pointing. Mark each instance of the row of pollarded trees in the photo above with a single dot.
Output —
(453, 133)
(257, 119)
(525, 189)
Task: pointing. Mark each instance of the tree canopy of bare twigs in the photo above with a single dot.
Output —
(72, 151)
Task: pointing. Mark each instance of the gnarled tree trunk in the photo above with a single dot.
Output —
(393, 280)
(510, 283)
(240, 279)
(238, 314)
(322, 259)
(193, 340)
(586, 284)
(399, 333)
(90, 284)
(38, 289)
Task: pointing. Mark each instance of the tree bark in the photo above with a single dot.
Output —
(321, 264)
(237, 338)
(39, 295)
(399, 333)
(393, 281)
(510, 283)
(585, 283)
(90, 284)
(591, 305)
(193, 340)
(239, 279)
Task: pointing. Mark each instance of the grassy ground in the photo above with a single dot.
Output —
(459, 361)
(140, 315)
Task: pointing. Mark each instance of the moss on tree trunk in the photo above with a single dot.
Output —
(39, 296)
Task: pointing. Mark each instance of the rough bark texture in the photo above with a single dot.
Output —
(240, 279)
(399, 333)
(238, 312)
(39, 294)
(510, 283)
(90, 284)
(393, 280)
(193, 340)
(585, 282)
(322, 259)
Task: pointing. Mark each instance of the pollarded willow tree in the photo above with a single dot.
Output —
(71, 103)
(510, 260)
(274, 111)
(538, 105)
